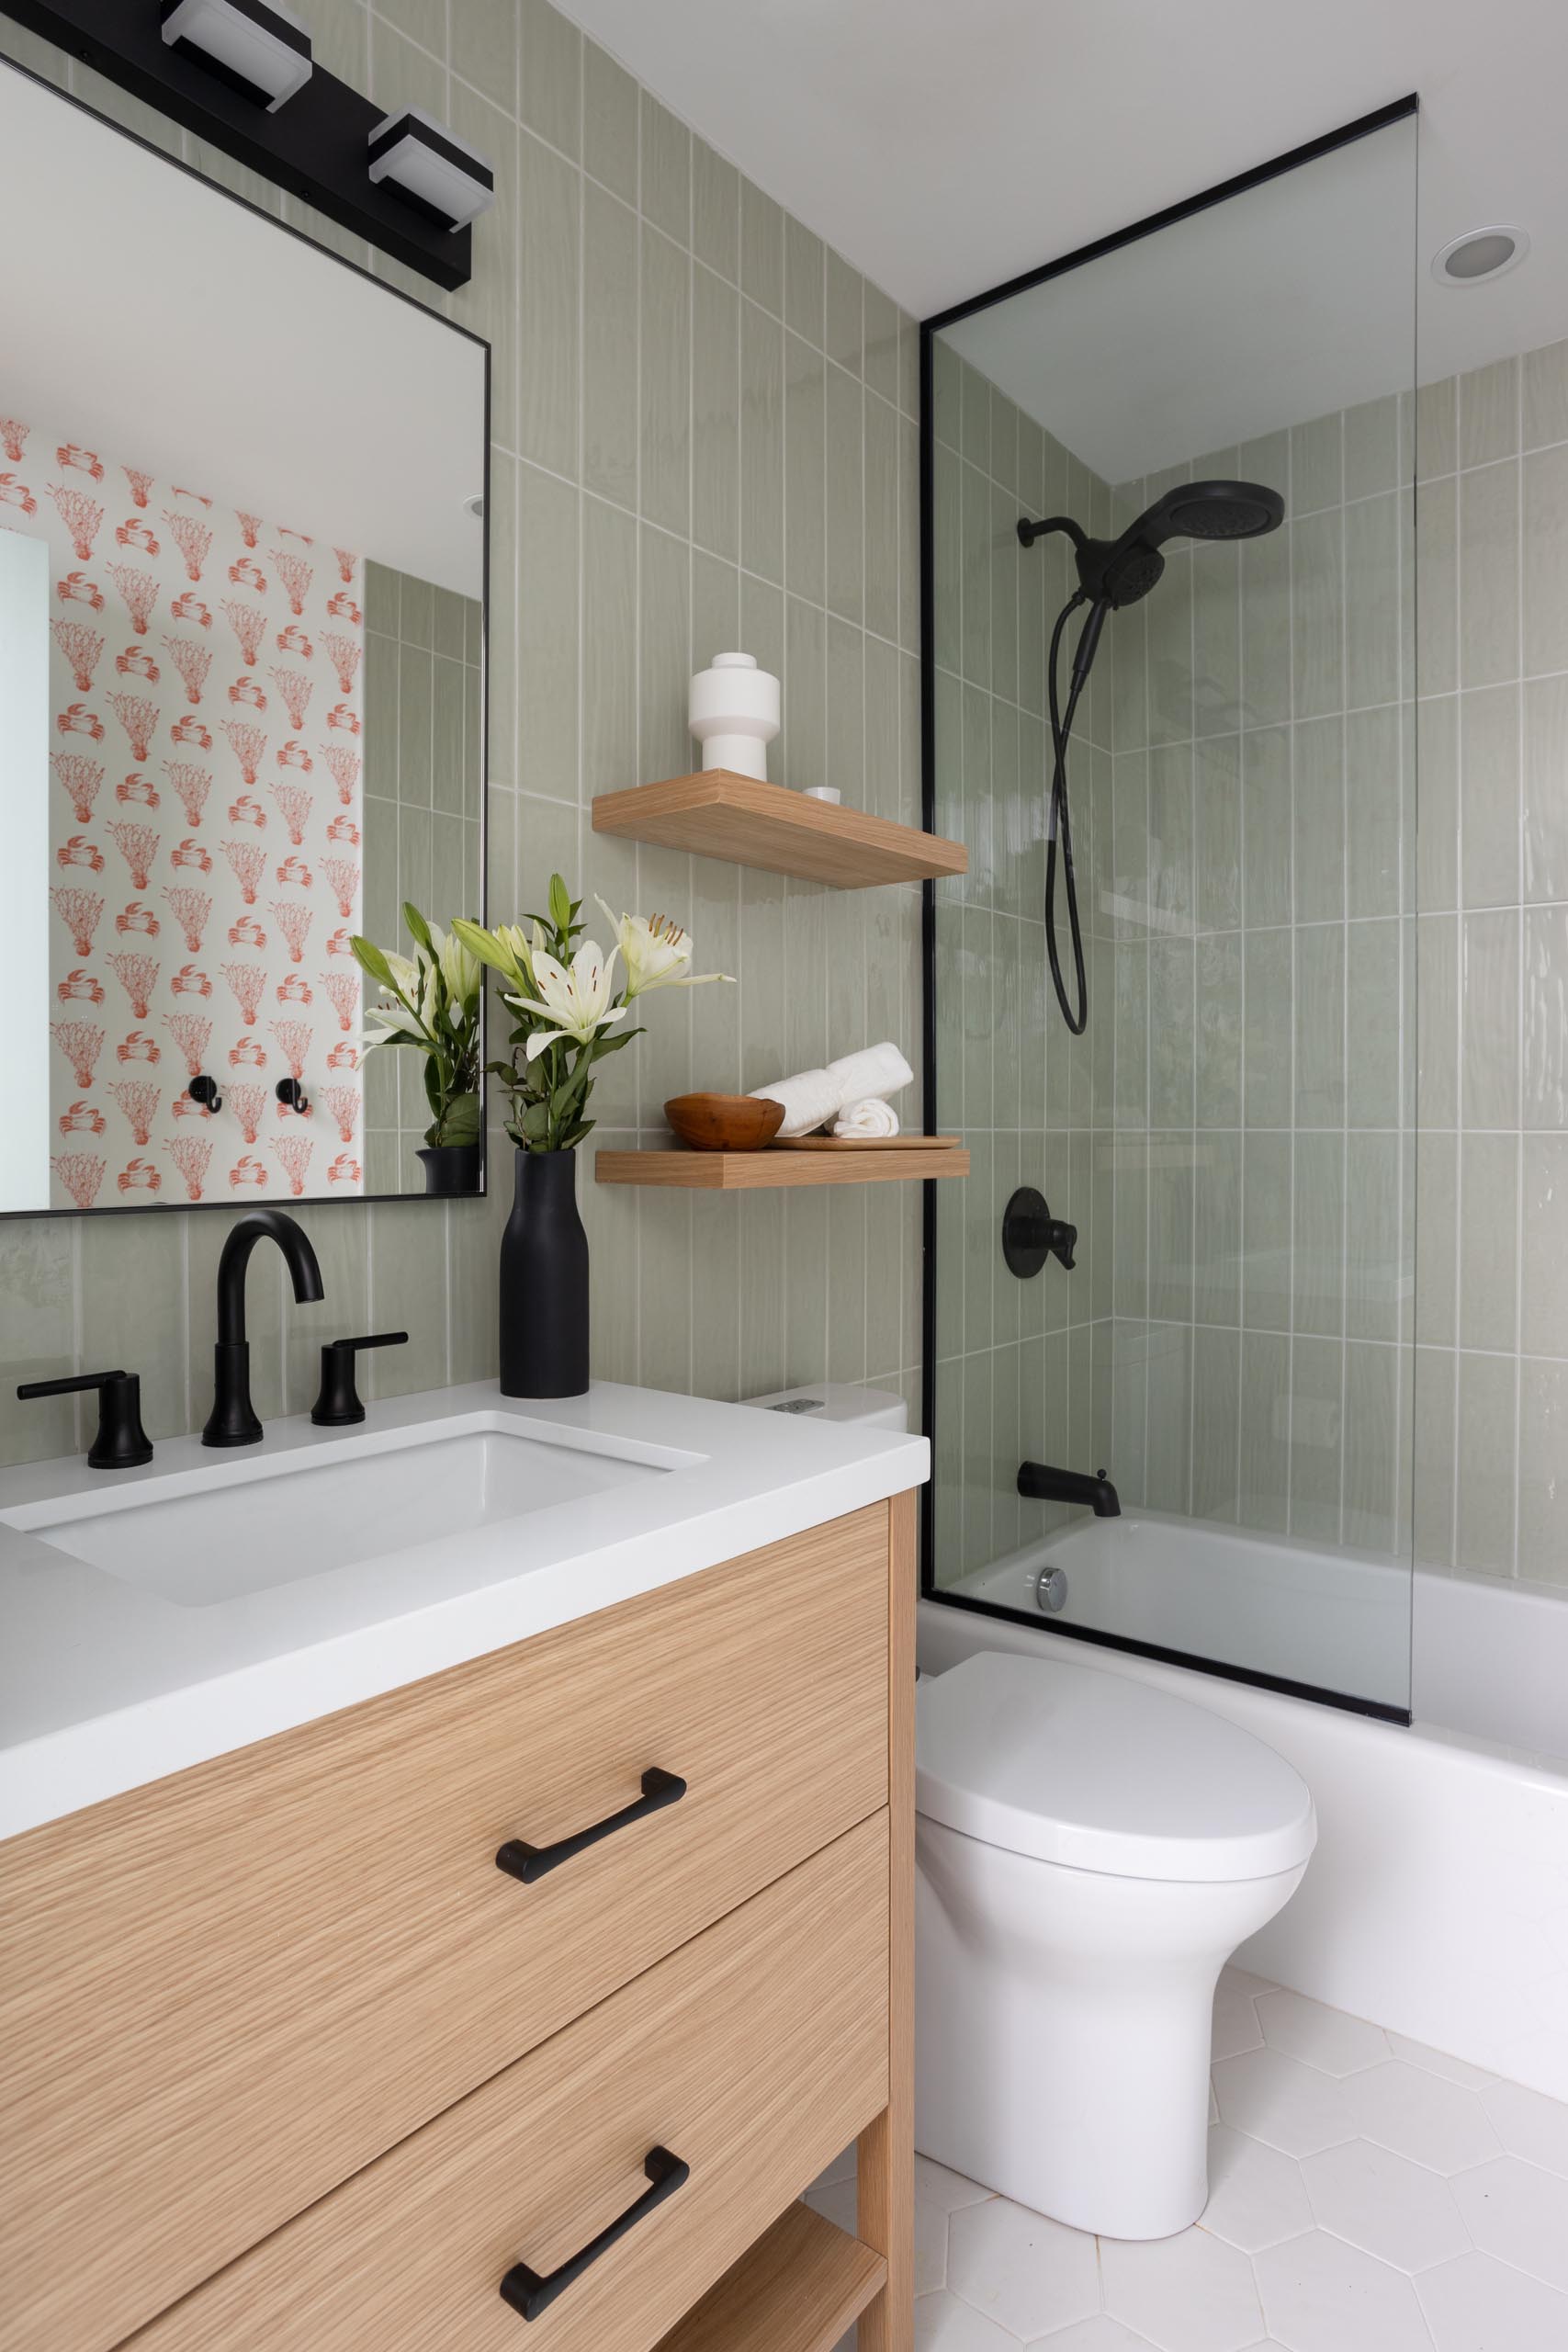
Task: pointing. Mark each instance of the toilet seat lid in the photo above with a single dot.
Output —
(1103, 1773)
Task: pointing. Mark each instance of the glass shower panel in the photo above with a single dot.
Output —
(1232, 1135)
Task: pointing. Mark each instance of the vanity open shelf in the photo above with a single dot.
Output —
(758, 1171)
(799, 2288)
(720, 814)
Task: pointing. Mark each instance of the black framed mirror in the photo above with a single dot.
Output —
(243, 565)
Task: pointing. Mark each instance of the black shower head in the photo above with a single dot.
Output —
(1119, 571)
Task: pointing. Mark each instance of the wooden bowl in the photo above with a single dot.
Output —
(724, 1122)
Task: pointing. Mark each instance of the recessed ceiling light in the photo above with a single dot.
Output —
(1480, 254)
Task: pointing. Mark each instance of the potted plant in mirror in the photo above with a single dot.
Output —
(571, 1007)
(431, 1001)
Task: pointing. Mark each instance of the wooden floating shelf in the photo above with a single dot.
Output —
(757, 1172)
(799, 2288)
(719, 814)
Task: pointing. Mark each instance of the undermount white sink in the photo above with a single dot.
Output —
(248, 1525)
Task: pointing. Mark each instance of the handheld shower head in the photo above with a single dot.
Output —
(1114, 573)
(1121, 572)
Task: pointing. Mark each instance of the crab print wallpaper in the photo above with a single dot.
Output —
(205, 836)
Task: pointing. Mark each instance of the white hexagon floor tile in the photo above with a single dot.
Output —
(1235, 2025)
(1028, 2274)
(1293, 2107)
(1324, 2038)
(1321, 2295)
(1520, 2214)
(1437, 2123)
(942, 2323)
(1192, 2293)
(1099, 2335)
(1390, 2208)
(1256, 2196)
(1477, 2305)
(1528, 2125)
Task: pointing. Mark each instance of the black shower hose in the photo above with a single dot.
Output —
(1059, 827)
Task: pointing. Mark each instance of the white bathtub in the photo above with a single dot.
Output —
(1437, 1903)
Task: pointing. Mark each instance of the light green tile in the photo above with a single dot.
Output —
(805, 463)
(845, 494)
(37, 1314)
(484, 47)
(666, 171)
(609, 347)
(805, 282)
(715, 211)
(609, 121)
(716, 414)
(551, 74)
(548, 673)
(609, 643)
(665, 397)
(550, 201)
(761, 444)
(665, 663)
(762, 249)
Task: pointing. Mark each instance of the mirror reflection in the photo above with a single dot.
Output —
(242, 704)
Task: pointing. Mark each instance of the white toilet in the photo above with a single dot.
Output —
(1090, 1852)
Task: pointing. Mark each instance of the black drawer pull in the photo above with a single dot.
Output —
(528, 2293)
(529, 1862)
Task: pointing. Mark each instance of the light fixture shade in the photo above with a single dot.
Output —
(258, 47)
(438, 172)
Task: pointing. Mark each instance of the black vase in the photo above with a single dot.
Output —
(543, 1282)
(451, 1168)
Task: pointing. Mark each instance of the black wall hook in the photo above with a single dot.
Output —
(204, 1089)
(292, 1095)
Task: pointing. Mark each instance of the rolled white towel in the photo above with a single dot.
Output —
(870, 1116)
(810, 1099)
(878, 1070)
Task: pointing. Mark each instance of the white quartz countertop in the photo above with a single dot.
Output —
(107, 1684)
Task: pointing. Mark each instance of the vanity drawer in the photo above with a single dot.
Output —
(752, 2055)
(221, 1995)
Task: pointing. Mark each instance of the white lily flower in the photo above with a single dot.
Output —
(405, 971)
(459, 969)
(578, 1003)
(400, 1023)
(655, 951)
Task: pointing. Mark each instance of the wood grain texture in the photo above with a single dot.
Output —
(796, 2289)
(752, 2053)
(222, 1994)
(719, 814)
(886, 2211)
(723, 1121)
(755, 1171)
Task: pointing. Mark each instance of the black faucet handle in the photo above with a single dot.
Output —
(121, 1442)
(338, 1402)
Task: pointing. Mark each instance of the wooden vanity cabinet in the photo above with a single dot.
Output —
(288, 2060)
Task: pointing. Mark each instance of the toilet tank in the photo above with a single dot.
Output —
(838, 1400)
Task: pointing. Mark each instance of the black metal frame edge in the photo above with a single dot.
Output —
(1378, 1710)
(454, 326)
(1328, 143)
(1397, 110)
(315, 147)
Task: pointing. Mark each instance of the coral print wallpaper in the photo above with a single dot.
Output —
(205, 831)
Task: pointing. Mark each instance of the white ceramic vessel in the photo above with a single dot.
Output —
(734, 714)
(1089, 1856)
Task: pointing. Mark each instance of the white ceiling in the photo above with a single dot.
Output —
(151, 317)
(945, 146)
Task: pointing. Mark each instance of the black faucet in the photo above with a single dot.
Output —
(1042, 1484)
(233, 1420)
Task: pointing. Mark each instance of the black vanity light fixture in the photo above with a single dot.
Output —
(260, 48)
(241, 74)
(449, 180)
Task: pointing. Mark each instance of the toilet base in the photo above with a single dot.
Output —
(1063, 2028)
